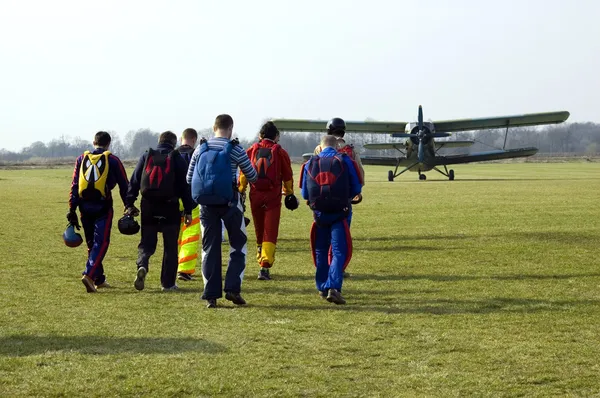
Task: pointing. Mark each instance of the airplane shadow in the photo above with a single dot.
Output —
(24, 345)
(454, 278)
(457, 180)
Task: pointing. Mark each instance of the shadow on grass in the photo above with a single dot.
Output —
(443, 306)
(452, 278)
(458, 179)
(19, 345)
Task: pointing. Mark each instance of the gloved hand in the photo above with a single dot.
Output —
(132, 211)
(291, 202)
(73, 219)
(357, 199)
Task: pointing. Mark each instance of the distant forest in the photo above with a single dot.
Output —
(564, 139)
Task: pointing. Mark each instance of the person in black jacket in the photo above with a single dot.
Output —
(160, 176)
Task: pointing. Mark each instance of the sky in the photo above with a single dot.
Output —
(71, 67)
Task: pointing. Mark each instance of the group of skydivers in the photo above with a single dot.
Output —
(190, 193)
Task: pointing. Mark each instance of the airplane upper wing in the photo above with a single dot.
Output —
(389, 145)
(485, 156)
(531, 119)
(351, 127)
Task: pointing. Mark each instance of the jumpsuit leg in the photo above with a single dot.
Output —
(147, 246)
(258, 217)
(210, 221)
(168, 274)
(102, 228)
(341, 244)
(238, 239)
(271, 231)
(320, 240)
(189, 238)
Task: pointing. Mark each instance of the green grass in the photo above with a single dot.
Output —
(487, 286)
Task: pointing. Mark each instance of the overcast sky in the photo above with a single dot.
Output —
(75, 67)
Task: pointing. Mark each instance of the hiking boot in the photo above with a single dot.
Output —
(182, 276)
(89, 284)
(235, 298)
(211, 303)
(264, 275)
(140, 277)
(333, 296)
(169, 289)
(103, 285)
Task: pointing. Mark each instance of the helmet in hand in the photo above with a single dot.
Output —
(72, 238)
(128, 225)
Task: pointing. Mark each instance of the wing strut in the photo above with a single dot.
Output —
(505, 136)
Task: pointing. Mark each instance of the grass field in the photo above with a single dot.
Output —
(488, 286)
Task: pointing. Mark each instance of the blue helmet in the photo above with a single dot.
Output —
(72, 238)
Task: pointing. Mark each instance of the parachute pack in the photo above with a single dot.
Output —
(158, 176)
(93, 174)
(212, 182)
(265, 164)
(328, 184)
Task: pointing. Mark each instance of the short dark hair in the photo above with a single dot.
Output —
(168, 137)
(189, 134)
(268, 130)
(223, 122)
(102, 139)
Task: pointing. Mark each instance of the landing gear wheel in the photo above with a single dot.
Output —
(422, 177)
(390, 175)
(451, 175)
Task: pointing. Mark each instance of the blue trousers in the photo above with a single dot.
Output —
(212, 219)
(330, 269)
(96, 228)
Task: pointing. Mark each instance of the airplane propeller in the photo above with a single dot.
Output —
(421, 134)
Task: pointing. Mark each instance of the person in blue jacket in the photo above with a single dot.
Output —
(329, 181)
(95, 175)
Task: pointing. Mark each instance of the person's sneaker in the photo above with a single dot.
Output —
(345, 274)
(211, 303)
(140, 278)
(235, 298)
(103, 285)
(333, 296)
(264, 275)
(182, 276)
(323, 294)
(170, 289)
(89, 284)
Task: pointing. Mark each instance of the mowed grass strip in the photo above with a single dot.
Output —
(487, 285)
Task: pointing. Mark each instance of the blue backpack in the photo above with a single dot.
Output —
(328, 184)
(212, 182)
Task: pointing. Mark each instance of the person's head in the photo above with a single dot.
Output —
(329, 141)
(336, 127)
(189, 137)
(168, 137)
(223, 126)
(269, 131)
(102, 140)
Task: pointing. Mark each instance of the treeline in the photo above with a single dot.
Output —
(575, 138)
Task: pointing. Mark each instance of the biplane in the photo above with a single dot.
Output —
(420, 151)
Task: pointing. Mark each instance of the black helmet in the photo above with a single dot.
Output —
(336, 124)
(128, 226)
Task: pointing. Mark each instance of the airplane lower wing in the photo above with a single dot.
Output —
(531, 119)
(388, 145)
(384, 161)
(485, 156)
(453, 144)
(351, 127)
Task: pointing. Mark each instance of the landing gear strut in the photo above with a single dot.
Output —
(447, 173)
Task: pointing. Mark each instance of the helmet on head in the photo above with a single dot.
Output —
(336, 125)
(72, 238)
(128, 225)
